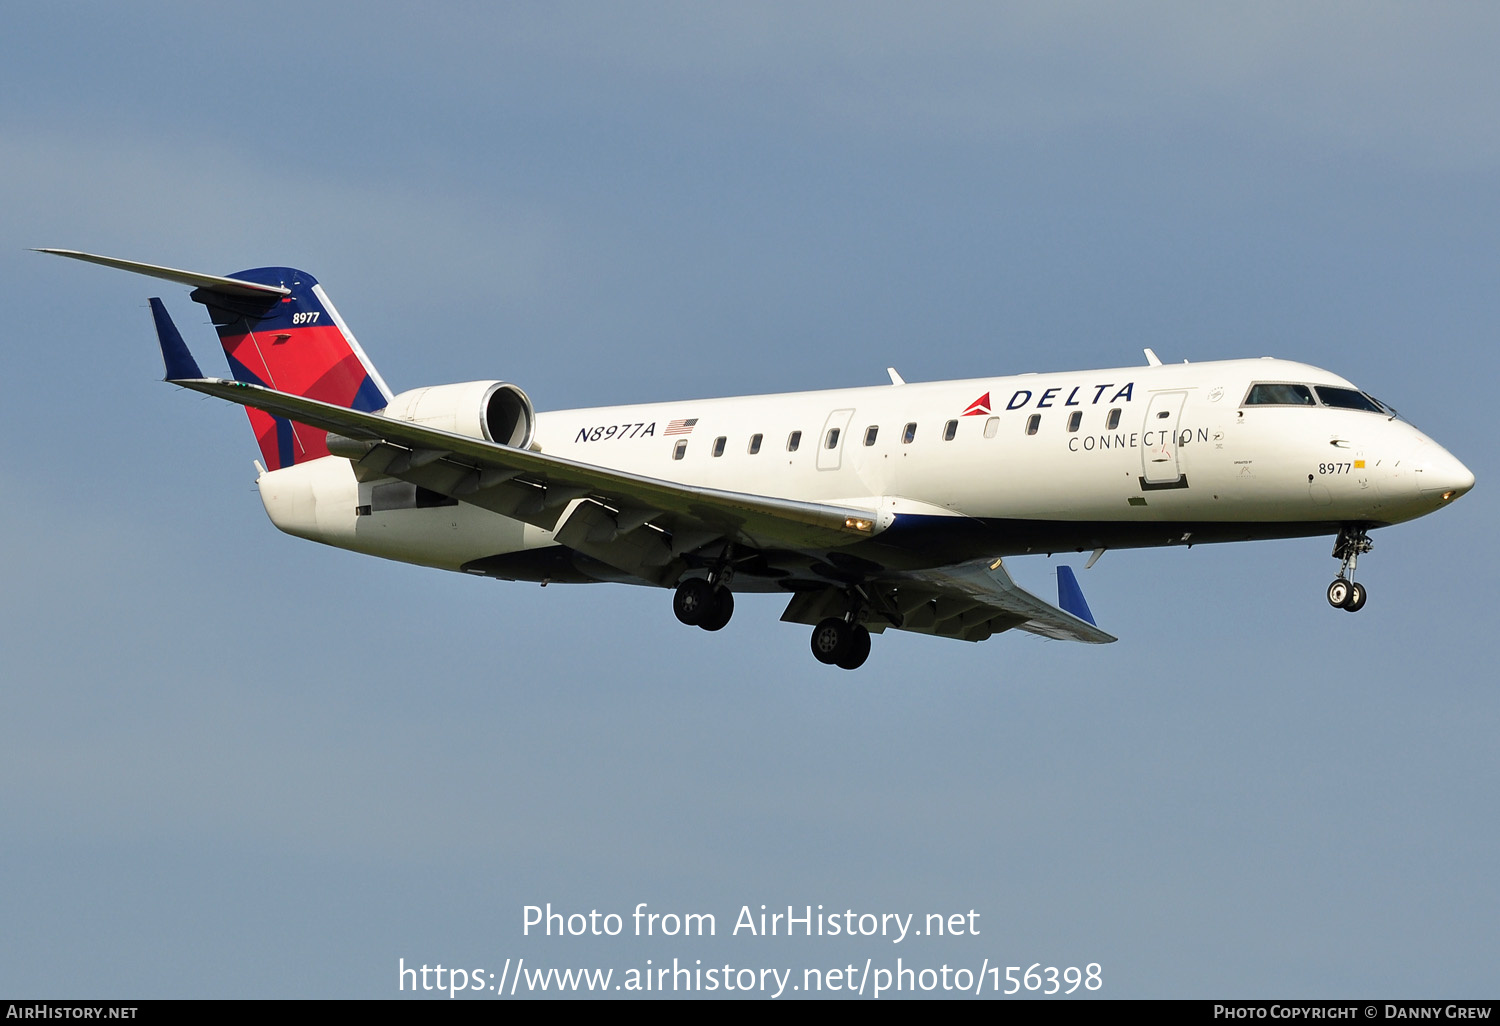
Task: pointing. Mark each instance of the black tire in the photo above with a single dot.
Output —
(1338, 593)
(1357, 598)
(859, 650)
(693, 601)
(831, 640)
(719, 614)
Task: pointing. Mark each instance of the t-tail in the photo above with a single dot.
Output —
(295, 343)
(278, 329)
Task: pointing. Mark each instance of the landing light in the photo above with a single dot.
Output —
(1448, 496)
(856, 524)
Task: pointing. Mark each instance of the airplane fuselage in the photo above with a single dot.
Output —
(949, 471)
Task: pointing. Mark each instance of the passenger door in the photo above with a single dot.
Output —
(1160, 465)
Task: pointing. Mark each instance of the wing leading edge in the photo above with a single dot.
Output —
(537, 488)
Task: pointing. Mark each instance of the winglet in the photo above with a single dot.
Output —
(174, 352)
(1070, 595)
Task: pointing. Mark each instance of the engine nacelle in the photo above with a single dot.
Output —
(496, 411)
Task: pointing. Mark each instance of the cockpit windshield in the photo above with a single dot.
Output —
(1347, 399)
(1281, 393)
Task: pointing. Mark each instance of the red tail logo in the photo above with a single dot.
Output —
(979, 407)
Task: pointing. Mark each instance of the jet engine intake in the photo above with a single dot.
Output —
(496, 411)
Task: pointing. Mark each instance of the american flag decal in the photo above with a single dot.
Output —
(681, 427)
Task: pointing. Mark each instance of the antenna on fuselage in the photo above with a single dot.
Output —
(1151, 358)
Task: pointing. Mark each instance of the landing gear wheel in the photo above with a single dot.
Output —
(720, 612)
(859, 650)
(1339, 592)
(831, 640)
(1343, 593)
(694, 601)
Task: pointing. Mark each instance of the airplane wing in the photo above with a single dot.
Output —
(971, 602)
(537, 488)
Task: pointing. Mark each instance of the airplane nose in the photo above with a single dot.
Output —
(1439, 475)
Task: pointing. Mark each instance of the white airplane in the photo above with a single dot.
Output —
(872, 508)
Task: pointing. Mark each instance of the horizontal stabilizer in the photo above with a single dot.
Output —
(174, 351)
(211, 282)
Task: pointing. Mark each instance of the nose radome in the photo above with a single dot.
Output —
(1439, 475)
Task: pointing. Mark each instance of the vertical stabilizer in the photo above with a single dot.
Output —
(294, 343)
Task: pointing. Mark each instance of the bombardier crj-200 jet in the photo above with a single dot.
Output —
(889, 507)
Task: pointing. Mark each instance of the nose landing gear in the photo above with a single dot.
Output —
(1344, 593)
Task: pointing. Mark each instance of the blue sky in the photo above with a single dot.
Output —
(237, 764)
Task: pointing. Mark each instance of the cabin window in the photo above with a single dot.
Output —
(949, 430)
(1279, 394)
(754, 444)
(832, 441)
(793, 440)
(680, 449)
(1033, 422)
(1113, 420)
(909, 433)
(991, 426)
(870, 433)
(1074, 419)
(719, 445)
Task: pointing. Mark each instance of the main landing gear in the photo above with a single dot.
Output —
(706, 602)
(1343, 593)
(700, 602)
(840, 643)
